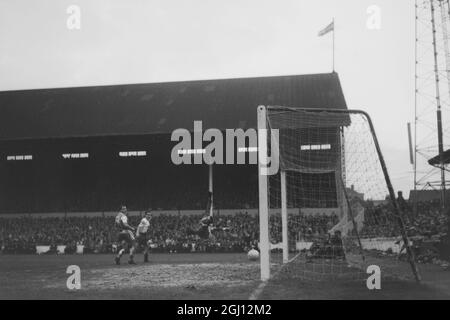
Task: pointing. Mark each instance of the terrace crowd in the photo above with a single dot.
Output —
(425, 221)
(168, 233)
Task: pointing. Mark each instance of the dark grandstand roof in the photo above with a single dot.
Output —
(158, 107)
(436, 161)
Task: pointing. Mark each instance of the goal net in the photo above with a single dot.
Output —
(327, 207)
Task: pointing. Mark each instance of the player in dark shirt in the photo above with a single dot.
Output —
(126, 237)
(206, 224)
(330, 248)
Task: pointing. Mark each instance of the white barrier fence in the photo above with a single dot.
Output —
(59, 249)
(381, 244)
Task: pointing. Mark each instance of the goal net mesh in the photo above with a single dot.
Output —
(340, 216)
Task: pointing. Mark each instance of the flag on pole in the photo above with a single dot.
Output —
(327, 29)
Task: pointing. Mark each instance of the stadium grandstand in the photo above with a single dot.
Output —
(80, 153)
(91, 149)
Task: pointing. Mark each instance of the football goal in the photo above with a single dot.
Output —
(327, 207)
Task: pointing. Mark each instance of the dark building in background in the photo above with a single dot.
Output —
(94, 148)
(428, 195)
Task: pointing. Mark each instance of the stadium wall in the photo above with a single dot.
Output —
(218, 212)
(380, 244)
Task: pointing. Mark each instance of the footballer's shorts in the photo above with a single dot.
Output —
(142, 239)
(127, 236)
(203, 232)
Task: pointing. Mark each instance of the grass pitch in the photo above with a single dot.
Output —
(189, 276)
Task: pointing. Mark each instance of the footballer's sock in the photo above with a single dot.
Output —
(132, 254)
(146, 257)
(120, 253)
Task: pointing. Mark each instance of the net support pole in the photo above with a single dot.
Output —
(264, 244)
(397, 209)
(284, 217)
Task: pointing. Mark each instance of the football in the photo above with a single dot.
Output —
(253, 255)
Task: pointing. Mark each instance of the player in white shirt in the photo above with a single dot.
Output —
(126, 235)
(142, 232)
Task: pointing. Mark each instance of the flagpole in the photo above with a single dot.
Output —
(334, 32)
(328, 29)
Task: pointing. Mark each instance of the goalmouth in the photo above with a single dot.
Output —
(320, 161)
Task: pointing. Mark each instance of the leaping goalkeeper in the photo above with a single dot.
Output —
(206, 226)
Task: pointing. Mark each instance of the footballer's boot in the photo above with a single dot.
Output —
(117, 260)
(131, 261)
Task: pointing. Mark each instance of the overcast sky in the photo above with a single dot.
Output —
(137, 41)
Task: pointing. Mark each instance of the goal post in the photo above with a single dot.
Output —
(330, 208)
(264, 244)
(284, 217)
